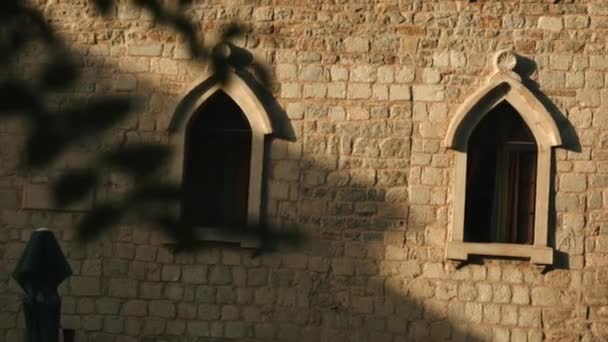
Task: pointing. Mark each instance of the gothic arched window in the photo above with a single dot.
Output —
(502, 137)
(217, 155)
(501, 179)
(218, 133)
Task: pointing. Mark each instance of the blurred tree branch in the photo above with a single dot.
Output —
(53, 131)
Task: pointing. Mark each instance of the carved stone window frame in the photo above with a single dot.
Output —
(259, 120)
(502, 85)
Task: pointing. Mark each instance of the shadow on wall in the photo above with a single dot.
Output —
(570, 143)
(364, 276)
(360, 279)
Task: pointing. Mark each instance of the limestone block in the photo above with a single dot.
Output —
(363, 73)
(428, 93)
(356, 44)
(473, 312)
(380, 92)
(529, 317)
(573, 183)
(521, 295)
(134, 64)
(311, 72)
(467, 292)
(502, 293)
(286, 72)
(291, 90)
(599, 8)
(337, 113)
(161, 308)
(386, 74)
(431, 76)
(316, 90)
(9, 199)
(286, 170)
(399, 92)
(265, 13)
(457, 59)
(197, 328)
(194, 274)
(343, 266)
(357, 113)
(219, 275)
(441, 59)
(85, 286)
(599, 62)
(575, 79)
(124, 83)
(508, 315)
(359, 91)
(336, 90)
(404, 75)
(38, 196)
(338, 73)
(552, 79)
(295, 110)
(491, 313)
(550, 23)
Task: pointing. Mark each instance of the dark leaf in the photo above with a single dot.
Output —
(271, 238)
(38, 24)
(44, 145)
(183, 236)
(152, 6)
(16, 97)
(158, 192)
(138, 160)
(185, 27)
(98, 220)
(104, 6)
(73, 186)
(97, 115)
(59, 74)
(232, 31)
(185, 3)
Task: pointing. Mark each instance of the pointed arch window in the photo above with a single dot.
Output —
(216, 164)
(218, 133)
(502, 137)
(501, 179)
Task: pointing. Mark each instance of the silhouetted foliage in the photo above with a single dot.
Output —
(52, 131)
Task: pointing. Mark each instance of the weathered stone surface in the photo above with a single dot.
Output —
(360, 100)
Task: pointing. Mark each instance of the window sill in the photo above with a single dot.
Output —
(244, 240)
(459, 250)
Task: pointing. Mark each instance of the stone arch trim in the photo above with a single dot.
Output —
(236, 88)
(240, 92)
(502, 85)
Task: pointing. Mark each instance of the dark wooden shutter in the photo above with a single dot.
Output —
(216, 165)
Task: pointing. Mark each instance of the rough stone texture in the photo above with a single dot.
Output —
(369, 89)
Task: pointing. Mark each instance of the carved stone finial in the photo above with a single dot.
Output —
(505, 60)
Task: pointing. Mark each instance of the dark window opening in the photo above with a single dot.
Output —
(217, 157)
(501, 179)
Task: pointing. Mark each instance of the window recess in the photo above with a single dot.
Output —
(502, 139)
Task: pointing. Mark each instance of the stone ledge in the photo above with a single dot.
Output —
(243, 239)
(458, 250)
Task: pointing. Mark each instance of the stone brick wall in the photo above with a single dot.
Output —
(369, 89)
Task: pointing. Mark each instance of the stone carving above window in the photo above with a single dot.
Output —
(524, 180)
